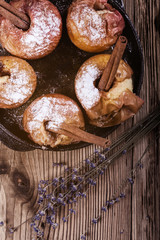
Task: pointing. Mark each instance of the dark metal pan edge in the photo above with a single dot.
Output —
(17, 144)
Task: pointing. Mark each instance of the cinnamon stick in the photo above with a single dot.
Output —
(109, 72)
(79, 135)
(18, 18)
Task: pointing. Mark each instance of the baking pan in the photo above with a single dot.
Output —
(56, 73)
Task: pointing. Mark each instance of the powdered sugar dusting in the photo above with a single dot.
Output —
(52, 109)
(86, 91)
(17, 87)
(45, 26)
(42, 36)
(89, 23)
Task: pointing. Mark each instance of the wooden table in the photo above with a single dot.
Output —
(137, 216)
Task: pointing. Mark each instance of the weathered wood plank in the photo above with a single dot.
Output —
(146, 208)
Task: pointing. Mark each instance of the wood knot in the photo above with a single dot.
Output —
(21, 182)
(4, 168)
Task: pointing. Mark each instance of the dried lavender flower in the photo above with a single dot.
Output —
(1, 223)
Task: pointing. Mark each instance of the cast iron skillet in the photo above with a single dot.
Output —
(56, 74)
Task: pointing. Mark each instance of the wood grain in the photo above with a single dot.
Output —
(137, 217)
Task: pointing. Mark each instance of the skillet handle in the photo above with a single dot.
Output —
(120, 2)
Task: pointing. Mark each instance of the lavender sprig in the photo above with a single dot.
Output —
(100, 162)
(73, 187)
(121, 190)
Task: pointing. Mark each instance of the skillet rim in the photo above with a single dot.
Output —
(15, 143)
